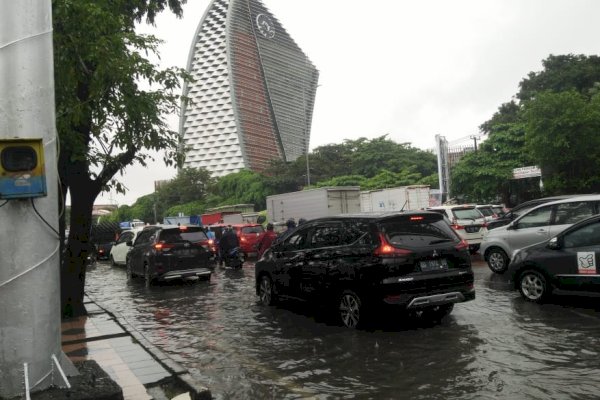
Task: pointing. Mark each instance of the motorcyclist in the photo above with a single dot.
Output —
(266, 240)
(228, 241)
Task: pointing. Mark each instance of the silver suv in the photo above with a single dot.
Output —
(535, 226)
(467, 221)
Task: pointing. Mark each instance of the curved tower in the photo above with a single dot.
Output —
(252, 94)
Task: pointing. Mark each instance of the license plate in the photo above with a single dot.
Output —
(434, 265)
(185, 252)
(472, 229)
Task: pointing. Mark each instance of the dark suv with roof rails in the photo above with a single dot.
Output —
(357, 264)
(167, 252)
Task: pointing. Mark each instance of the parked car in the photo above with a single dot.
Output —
(119, 250)
(356, 264)
(521, 209)
(167, 252)
(565, 264)
(467, 221)
(535, 226)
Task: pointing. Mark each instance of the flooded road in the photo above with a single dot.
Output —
(496, 347)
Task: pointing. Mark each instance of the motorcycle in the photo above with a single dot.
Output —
(234, 258)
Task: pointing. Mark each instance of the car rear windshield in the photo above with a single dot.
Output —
(252, 229)
(466, 213)
(487, 211)
(417, 230)
(179, 235)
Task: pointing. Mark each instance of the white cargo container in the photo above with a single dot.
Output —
(314, 203)
(405, 198)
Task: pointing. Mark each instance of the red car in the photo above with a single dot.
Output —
(248, 234)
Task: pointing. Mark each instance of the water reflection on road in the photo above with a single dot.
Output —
(497, 346)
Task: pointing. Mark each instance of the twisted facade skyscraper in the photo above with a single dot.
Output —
(253, 90)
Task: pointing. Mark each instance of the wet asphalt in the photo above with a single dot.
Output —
(496, 347)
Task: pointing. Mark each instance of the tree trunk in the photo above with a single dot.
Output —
(83, 193)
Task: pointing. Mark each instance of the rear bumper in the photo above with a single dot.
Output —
(185, 273)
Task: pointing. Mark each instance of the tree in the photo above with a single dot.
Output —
(563, 136)
(106, 117)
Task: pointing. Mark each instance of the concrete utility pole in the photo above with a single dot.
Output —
(30, 337)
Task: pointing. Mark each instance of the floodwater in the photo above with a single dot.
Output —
(496, 347)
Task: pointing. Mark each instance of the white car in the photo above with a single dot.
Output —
(119, 250)
(535, 226)
(467, 221)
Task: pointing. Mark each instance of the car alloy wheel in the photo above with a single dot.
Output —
(349, 308)
(533, 286)
(265, 291)
(497, 260)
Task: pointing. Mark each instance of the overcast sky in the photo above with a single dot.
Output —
(409, 69)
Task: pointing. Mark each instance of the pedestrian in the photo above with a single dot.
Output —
(266, 240)
(291, 223)
(210, 234)
(301, 221)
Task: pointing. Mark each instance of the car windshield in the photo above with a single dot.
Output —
(417, 232)
(179, 235)
(252, 229)
(467, 213)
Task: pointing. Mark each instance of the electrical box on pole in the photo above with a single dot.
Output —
(22, 173)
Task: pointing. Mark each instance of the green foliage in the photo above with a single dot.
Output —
(244, 187)
(563, 135)
(192, 208)
(344, 180)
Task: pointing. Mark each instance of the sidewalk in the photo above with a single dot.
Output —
(142, 370)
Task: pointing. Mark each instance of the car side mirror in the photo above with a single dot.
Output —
(129, 243)
(554, 243)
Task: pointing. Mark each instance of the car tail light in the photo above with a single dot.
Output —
(243, 239)
(211, 242)
(385, 249)
(463, 245)
(163, 247)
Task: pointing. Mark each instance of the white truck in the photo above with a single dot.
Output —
(405, 198)
(313, 203)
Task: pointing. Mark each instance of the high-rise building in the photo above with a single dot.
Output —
(253, 90)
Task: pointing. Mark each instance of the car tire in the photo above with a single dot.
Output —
(147, 277)
(265, 291)
(533, 286)
(112, 261)
(497, 260)
(128, 269)
(349, 309)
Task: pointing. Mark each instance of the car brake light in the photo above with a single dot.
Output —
(387, 250)
(163, 246)
(419, 218)
(463, 245)
(243, 239)
(211, 242)
(457, 227)
(183, 228)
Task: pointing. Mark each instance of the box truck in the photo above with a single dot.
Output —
(405, 198)
(313, 203)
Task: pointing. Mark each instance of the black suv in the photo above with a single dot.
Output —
(359, 263)
(166, 252)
